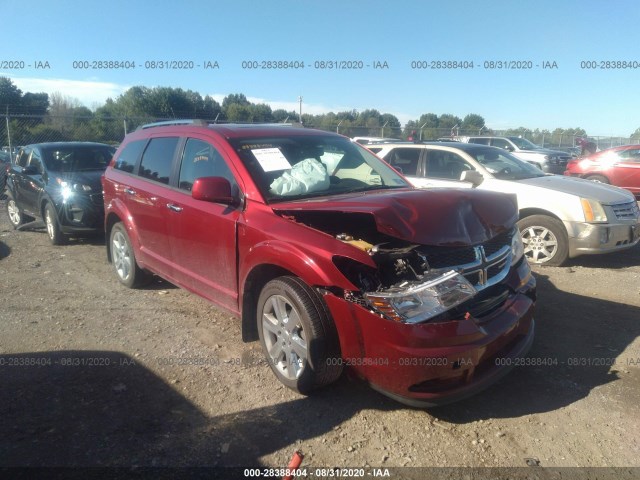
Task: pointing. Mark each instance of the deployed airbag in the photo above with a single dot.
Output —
(306, 176)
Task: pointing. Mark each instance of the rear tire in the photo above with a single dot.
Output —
(545, 240)
(297, 334)
(123, 259)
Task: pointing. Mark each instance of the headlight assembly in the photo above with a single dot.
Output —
(418, 303)
(517, 248)
(593, 211)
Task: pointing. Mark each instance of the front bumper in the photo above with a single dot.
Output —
(431, 364)
(555, 168)
(82, 214)
(588, 238)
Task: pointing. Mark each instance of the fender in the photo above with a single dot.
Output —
(314, 272)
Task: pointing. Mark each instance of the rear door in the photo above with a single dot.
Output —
(203, 234)
(145, 196)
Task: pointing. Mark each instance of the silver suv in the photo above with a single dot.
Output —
(549, 161)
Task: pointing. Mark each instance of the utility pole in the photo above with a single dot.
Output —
(300, 102)
(9, 135)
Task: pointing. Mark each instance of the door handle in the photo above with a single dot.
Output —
(173, 207)
(129, 191)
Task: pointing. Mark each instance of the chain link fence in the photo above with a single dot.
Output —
(18, 130)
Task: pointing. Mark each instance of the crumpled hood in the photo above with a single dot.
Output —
(438, 217)
(604, 193)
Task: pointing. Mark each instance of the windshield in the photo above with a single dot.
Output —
(77, 158)
(294, 167)
(503, 165)
(524, 144)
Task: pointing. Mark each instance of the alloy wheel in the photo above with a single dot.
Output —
(284, 337)
(540, 244)
(14, 212)
(121, 254)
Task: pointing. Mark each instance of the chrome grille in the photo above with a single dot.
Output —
(483, 265)
(626, 211)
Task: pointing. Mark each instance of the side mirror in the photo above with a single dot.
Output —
(474, 177)
(213, 189)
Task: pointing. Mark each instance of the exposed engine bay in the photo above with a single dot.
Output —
(398, 261)
(413, 282)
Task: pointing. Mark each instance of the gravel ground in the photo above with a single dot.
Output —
(93, 374)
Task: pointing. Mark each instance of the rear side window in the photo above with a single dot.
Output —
(127, 159)
(479, 141)
(630, 155)
(157, 159)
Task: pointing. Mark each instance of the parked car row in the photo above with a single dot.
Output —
(618, 166)
(59, 184)
(559, 217)
(327, 254)
(547, 160)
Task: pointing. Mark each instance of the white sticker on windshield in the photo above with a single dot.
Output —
(271, 159)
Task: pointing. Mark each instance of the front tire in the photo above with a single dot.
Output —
(297, 334)
(123, 259)
(53, 226)
(597, 179)
(545, 240)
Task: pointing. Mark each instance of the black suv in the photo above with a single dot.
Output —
(60, 184)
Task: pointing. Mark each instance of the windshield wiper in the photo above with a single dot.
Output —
(372, 187)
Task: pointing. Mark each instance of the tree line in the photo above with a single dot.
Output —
(56, 117)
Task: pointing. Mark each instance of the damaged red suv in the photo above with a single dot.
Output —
(328, 256)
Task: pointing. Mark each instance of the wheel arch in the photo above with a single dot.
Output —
(527, 212)
(255, 281)
(111, 219)
(586, 176)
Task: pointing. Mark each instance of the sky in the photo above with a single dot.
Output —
(63, 46)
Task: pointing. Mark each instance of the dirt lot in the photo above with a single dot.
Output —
(93, 374)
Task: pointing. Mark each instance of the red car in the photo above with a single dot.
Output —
(618, 166)
(328, 256)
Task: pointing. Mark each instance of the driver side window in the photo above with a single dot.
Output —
(35, 161)
(501, 143)
(23, 158)
(201, 159)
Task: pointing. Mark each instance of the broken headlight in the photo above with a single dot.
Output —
(517, 248)
(413, 303)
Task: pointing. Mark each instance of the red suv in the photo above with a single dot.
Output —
(618, 166)
(328, 256)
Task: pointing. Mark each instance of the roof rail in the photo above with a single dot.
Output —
(173, 122)
(258, 124)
